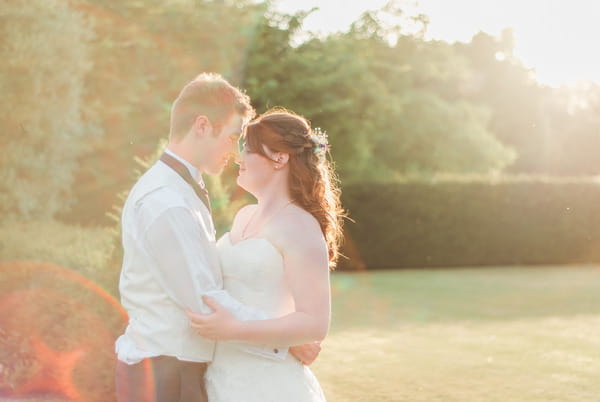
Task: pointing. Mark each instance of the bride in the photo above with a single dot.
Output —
(276, 258)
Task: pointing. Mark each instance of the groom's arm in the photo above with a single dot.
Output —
(185, 263)
(178, 259)
(186, 268)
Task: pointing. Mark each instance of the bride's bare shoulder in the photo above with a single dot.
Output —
(298, 227)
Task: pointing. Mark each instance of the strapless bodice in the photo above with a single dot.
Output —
(253, 273)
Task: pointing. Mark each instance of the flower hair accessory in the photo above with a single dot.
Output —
(320, 143)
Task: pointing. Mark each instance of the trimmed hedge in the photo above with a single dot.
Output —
(89, 251)
(472, 223)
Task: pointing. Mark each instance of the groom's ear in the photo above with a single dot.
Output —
(202, 126)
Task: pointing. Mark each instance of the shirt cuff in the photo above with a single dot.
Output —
(127, 351)
(269, 352)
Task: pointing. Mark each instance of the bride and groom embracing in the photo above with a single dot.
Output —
(241, 318)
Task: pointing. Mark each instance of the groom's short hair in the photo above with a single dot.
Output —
(209, 95)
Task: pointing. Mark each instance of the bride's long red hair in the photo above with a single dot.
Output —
(313, 184)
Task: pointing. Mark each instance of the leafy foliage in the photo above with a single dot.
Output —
(384, 106)
(450, 221)
(393, 104)
(45, 124)
(88, 251)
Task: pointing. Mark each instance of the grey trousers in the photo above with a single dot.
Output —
(161, 379)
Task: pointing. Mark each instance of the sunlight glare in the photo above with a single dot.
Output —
(556, 38)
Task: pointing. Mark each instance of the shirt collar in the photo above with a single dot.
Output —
(193, 170)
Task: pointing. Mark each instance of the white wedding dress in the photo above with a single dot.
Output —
(253, 273)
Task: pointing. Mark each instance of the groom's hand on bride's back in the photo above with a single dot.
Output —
(306, 354)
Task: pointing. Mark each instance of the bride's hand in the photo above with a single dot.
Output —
(220, 325)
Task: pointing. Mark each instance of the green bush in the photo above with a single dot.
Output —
(454, 222)
(45, 124)
(88, 251)
(57, 333)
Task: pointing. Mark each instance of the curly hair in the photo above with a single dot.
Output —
(313, 184)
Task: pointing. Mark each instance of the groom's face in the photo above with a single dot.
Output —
(221, 144)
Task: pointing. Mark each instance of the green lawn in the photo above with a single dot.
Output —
(486, 334)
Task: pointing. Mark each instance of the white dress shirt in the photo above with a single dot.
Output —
(170, 262)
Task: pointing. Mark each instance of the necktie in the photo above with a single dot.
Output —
(185, 175)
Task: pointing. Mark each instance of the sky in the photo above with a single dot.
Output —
(558, 38)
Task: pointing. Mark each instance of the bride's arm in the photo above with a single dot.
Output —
(307, 275)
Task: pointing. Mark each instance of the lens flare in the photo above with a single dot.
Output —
(58, 330)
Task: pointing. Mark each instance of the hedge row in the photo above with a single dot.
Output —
(89, 251)
(472, 223)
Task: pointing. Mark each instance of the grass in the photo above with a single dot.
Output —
(486, 334)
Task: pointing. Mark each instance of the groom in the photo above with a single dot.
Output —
(170, 258)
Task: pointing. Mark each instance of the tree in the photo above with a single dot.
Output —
(45, 125)
(500, 82)
(389, 108)
(144, 53)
